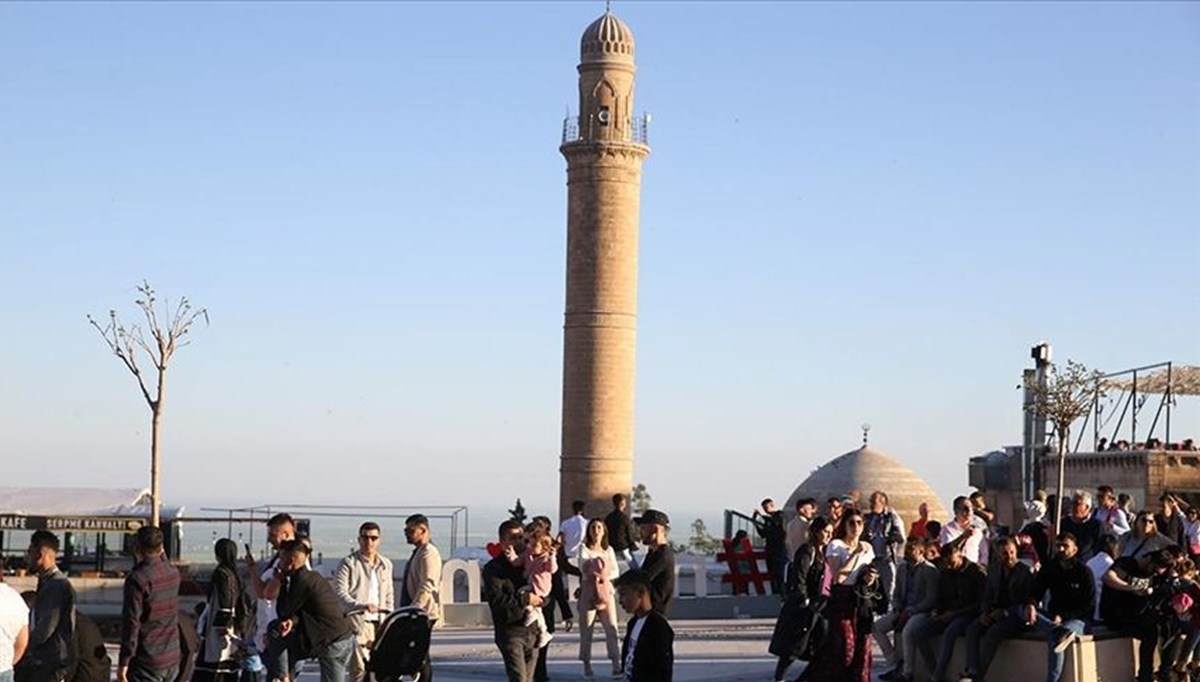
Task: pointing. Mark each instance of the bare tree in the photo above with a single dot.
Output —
(1064, 398)
(168, 330)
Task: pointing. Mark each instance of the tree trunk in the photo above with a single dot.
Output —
(155, 460)
(155, 452)
(1062, 470)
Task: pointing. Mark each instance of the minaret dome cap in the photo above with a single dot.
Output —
(607, 39)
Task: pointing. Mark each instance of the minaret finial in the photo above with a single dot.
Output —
(866, 428)
(607, 6)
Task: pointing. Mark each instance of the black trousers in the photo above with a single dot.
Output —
(558, 597)
(518, 648)
(30, 670)
(540, 674)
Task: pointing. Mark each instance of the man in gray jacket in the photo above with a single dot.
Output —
(363, 584)
(916, 595)
(51, 640)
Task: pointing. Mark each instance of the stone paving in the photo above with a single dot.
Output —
(712, 651)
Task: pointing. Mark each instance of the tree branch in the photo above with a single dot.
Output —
(121, 342)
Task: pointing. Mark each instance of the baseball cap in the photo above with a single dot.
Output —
(654, 516)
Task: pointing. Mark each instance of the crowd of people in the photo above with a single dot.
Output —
(854, 576)
(245, 630)
(851, 575)
(261, 620)
(1122, 445)
(523, 584)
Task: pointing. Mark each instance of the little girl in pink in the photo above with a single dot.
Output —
(539, 563)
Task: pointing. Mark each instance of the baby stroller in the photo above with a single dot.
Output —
(401, 649)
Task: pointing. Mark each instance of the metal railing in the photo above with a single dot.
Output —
(591, 130)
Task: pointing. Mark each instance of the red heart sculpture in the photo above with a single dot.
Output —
(493, 549)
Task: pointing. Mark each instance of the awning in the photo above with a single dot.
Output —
(100, 510)
(1184, 380)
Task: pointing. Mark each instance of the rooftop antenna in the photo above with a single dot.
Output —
(866, 428)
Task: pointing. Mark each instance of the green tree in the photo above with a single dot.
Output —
(701, 542)
(640, 500)
(517, 513)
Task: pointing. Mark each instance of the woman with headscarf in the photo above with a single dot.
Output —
(221, 624)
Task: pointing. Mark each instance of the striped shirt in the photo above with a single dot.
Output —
(150, 616)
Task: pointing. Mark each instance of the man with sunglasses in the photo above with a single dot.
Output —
(971, 528)
(363, 583)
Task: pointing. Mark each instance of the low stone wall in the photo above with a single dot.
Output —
(1102, 655)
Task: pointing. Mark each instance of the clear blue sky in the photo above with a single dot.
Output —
(852, 212)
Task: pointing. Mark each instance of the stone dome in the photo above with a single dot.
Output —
(606, 39)
(866, 470)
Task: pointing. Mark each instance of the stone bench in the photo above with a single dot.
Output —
(1101, 655)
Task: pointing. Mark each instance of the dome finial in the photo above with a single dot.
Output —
(866, 428)
(607, 39)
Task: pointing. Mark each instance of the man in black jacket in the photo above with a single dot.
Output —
(51, 650)
(960, 590)
(92, 662)
(1072, 590)
(311, 618)
(622, 536)
(659, 565)
(1009, 584)
(769, 525)
(502, 583)
(648, 652)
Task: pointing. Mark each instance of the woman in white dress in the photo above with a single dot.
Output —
(598, 566)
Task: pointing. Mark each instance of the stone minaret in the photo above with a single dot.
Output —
(604, 148)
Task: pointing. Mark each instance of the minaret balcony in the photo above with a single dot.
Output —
(592, 130)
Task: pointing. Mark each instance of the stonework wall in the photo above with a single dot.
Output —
(1144, 475)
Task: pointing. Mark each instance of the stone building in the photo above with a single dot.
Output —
(604, 147)
(864, 471)
(1144, 474)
